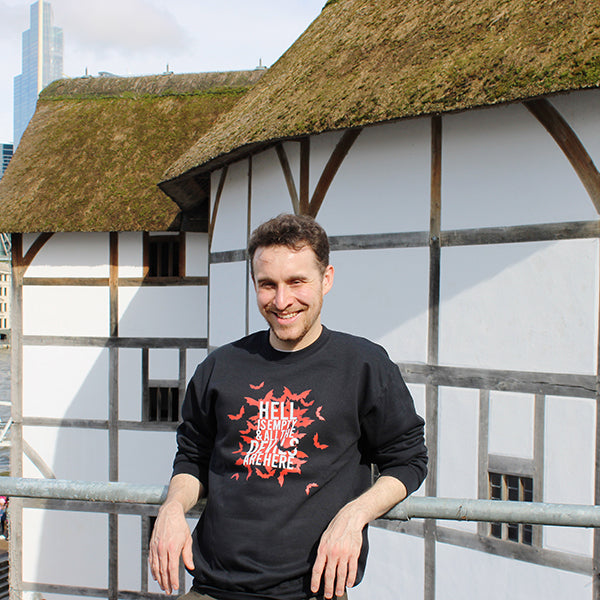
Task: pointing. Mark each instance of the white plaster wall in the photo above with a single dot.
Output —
(131, 254)
(457, 450)
(196, 254)
(178, 311)
(163, 363)
(56, 446)
(394, 567)
(130, 384)
(527, 307)
(146, 457)
(72, 255)
(56, 552)
(382, 295)
(63, 382)
(227, 302)
(270, 195)
(130, 552)
(230, 230)
(569, 466)
(321, 147)
(65, 310)
(193, 358)
(468, 574)
(511, 424)
(501, 167)
(383, 185)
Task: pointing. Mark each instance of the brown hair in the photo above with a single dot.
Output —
(293, 231)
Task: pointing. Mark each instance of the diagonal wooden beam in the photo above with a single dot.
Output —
(34, 249)
(289, 178)
(213, 218)
(331, 168)
(304, 174)
(570, 144)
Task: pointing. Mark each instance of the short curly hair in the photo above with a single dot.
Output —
(293, 231)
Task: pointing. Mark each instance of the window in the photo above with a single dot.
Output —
(518, 488)
(163, 404)
(164, 255)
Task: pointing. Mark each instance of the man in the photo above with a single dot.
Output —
(279, 431)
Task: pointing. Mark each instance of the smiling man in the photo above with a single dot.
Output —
(279, 432)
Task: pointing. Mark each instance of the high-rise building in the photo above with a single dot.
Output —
(7, 152)
(42, 63)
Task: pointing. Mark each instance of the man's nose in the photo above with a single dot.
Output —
(282, 297)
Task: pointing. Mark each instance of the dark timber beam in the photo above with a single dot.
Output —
(331, 168)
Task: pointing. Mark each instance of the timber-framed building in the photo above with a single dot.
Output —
(450, 149)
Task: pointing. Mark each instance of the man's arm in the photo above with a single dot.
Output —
(171, 536)
(341, 542)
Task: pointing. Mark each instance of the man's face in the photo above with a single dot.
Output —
(289, 292)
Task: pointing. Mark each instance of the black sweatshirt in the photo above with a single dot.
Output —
(281, 441)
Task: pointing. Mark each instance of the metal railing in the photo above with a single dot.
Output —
(456, 509)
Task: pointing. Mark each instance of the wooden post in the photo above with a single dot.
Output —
(432, 391)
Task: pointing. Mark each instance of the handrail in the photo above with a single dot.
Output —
(456, 509)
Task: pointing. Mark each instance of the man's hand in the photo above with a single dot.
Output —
(337, 557)
(171, 536)
(339, 549)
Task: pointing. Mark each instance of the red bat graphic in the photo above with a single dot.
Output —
(309, 486)
(238, 416)
(318, 413)
(317, 445)
(235, 476)
(257, 387)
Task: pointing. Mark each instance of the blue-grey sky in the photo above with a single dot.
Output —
(140, 37)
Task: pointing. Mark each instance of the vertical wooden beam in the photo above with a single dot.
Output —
(15, 545)
(146, 254)
(483, 453)
(539, 449)
(182, 256)
(248, 232)
(596, 555)
(113, 415)
(432, 391)
(304, 174)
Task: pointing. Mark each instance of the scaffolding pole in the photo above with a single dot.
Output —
(454, 509)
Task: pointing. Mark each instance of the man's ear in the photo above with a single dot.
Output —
(328, 279)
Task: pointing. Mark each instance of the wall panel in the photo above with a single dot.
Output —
(527, 307)
(65, 310)
(382, 295)
(383, 184)
(65, 382)
(462, 573)
(72, 255)
(163, 311)
(501, 167)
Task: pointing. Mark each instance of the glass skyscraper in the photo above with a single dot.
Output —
(42, 63)
(7, 152)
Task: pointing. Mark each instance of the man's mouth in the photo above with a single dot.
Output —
(286, 316)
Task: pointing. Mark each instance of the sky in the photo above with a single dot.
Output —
(142, 37)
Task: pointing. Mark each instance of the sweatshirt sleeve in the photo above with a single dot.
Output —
(196, 433)
(392, 430)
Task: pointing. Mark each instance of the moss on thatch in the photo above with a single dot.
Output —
(368, 61)
(96, 148)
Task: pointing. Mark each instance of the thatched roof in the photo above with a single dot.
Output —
(96, 148)
(363, 62)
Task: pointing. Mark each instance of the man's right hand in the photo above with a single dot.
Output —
(171, 536)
